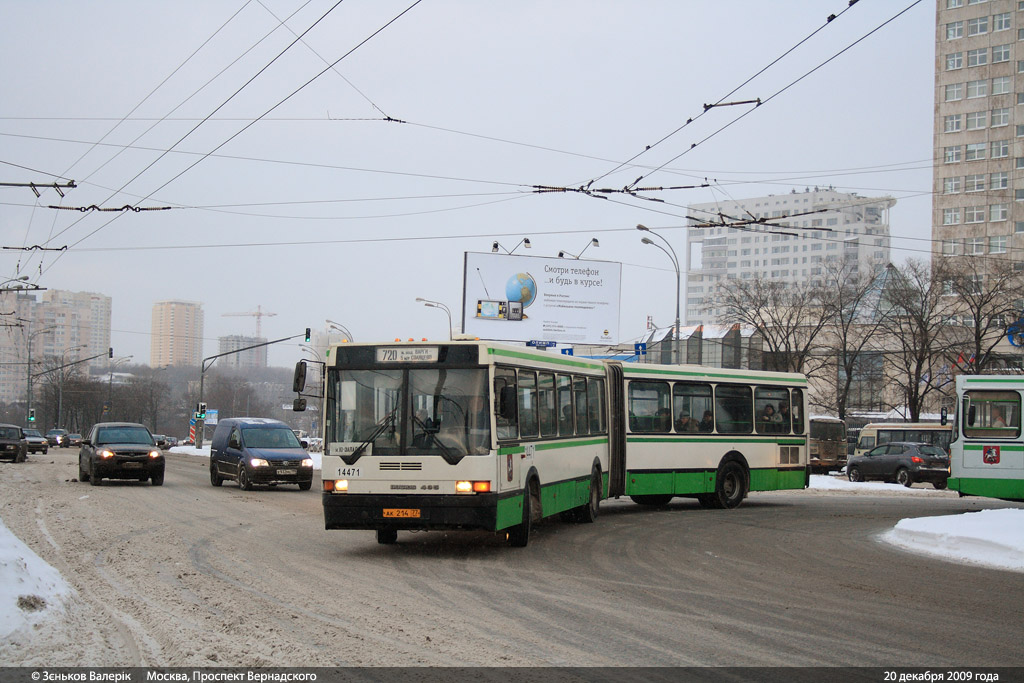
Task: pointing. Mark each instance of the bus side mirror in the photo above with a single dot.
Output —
(299, 405)
(943, 416)
(507, 403)
(971, 414)
(299, 379)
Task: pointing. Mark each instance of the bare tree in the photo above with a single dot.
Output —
(983, 295)
(789, 316)
(913, 310)
(852, 300)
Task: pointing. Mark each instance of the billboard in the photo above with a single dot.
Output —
(530, 298)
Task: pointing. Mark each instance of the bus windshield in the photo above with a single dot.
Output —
(409, 412)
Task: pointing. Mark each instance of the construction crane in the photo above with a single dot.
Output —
(258, 314)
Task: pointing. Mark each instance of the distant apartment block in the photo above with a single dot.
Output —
(809, 230)
(177, 334)
(978, 181)
(250, 358)
(58, 327)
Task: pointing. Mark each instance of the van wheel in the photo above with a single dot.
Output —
(305, 485)
(243, 479)
(215, 478)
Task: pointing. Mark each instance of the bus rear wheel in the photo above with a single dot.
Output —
(587, 514)
(730, 487)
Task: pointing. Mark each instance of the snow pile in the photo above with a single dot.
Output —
(828, 483)
(994, 538)
(30, 589)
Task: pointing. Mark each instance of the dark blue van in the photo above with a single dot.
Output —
(257, 450)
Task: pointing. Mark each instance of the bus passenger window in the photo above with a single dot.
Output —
(546, 404)
(733, 409)
(579, 391)
(527, 404)
(771, 406)
(565, 412)
(691, 404)
(798, 411)
(996, 414)
(595, 405)
(650, 407)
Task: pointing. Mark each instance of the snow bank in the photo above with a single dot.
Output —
(30, 589)
(993, 538)
(828, 483)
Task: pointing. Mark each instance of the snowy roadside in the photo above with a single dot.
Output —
(30, 589)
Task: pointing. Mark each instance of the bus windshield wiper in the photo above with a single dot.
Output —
(449, 456)
(388, 419)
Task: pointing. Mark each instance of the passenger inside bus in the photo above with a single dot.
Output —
(707, 423)
(685, 423)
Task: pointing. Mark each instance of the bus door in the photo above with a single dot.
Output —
(506, 419)
(616, 431)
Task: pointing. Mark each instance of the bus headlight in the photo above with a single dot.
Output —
(472, 486)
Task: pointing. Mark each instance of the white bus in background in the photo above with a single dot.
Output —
(878, 433)
(478, 435)
(987, 452)
(827, 444)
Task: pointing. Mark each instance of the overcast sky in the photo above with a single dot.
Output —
(290, 191)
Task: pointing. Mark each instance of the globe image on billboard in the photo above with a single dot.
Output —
(522, 288)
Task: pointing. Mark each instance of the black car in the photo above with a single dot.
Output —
(903, 462)
(120, 450)
(255, 450)
(57, 437)
(73, 440)
(12, 443)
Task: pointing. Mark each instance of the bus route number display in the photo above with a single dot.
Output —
(407, 354)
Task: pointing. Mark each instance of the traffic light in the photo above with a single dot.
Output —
(110, 352)
(307, 334)
(31, 414)
(200, 411)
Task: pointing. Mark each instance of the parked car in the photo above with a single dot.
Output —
(74, 440)
(57, 437)
(120, 450)
(254, 450)
(12, 443)
(37, 443)
(903, 462)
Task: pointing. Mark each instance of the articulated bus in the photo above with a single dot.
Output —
(478, 435)
(987, 453)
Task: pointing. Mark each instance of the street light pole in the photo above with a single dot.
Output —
(437, 304)
(60, 383)
(110, 384)
(340, 328)
(671, 253)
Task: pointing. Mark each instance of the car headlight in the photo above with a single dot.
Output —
(154, 454)
(258, 462)
(308, 462)
(106, 453)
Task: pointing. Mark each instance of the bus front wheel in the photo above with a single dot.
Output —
(387, 536)
(519, 535)
(587, 514)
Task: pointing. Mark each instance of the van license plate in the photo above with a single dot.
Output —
(405, 513)
(286, 471)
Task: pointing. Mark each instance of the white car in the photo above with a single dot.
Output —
(37, 443)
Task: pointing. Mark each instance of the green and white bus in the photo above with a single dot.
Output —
(987, 451)
(479, 435)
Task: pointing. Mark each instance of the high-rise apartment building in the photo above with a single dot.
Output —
(60, 325)
(249, 358)
(177, 334)
(979, 128)
(808, 231)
